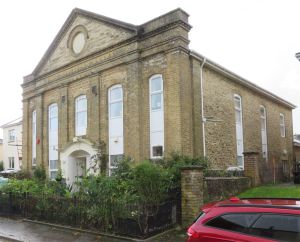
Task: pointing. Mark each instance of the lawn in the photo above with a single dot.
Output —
(273, 191)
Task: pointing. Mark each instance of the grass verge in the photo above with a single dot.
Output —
(273, 191)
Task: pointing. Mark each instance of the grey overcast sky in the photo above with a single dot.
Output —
(256, 39)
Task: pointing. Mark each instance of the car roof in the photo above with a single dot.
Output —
(287, 203)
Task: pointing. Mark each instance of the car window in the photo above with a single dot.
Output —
(234, 222)
(278, 227)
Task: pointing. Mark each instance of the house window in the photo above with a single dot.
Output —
(53, 140)
(53, 169)
(239, 130)
(282, 125)
(115, 114)
(34, 138)
(156, 116)
(80, 115)
(263, 126)
(11, 162)
(11, 135)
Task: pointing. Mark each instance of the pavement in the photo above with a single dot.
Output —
(20, 230)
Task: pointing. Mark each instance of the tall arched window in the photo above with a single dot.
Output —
(239, 130)
(282, 125)
(53, 140)
(115, 113)
(263, 126)
(80, 115)
(33, 133)
(156, 116)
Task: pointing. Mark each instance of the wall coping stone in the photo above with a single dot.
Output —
(251, 153)
(225, 178)
(192, 168)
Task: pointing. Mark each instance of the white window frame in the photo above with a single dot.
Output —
(52, 146)
(240, 109)
(282, 125)
(11, 162)
(264, 119)
(11, 135)
(80, 131)
(33, 138)
(151, 93)
(110, 102)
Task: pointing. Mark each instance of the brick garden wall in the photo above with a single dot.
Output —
(217, 188)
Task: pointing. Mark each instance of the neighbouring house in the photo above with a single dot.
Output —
(12, 145)
(141, 90)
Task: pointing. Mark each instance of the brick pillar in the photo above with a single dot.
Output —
(191, 193)
(251, 160)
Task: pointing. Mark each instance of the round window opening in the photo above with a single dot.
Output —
(78, 43)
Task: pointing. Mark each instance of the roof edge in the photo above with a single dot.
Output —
(241, 80)
(12, 123)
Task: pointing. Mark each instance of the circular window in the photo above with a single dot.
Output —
(78, 42)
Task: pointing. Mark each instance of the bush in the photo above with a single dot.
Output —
(175, 162)
(1, 166)
(150, 183)
(40, 173)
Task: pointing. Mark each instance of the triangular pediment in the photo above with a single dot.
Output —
(99, 32)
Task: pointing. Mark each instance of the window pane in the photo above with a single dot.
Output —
(157, 151)
(240, 160)
(237, 102)
(233, 222)
(53, 124)
(281, 119)
(278, 227)
(115, 159)
(263, 124)
(53, 111)
(262, 112)
(81, 119)
(116, 109)
(156, 84)
(53, 164)
(156, 101)
(81, 104)
(238, 116)
(116, 94)
(53, 175)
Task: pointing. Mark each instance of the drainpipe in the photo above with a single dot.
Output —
(202, 107)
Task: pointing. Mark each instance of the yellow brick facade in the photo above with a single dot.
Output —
(120, 53)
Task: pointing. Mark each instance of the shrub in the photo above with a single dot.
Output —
(40, 173)
(175, 162)
(1, 166)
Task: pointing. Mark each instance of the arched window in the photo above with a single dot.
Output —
(53, 140)
(156, 116)
(115, 126)
(239, 129)
(33, 132)
(80, 115)
(282, 125)
(263, 126)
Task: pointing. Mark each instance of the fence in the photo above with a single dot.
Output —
(136, 220)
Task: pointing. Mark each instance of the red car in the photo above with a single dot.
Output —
(248, 220)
